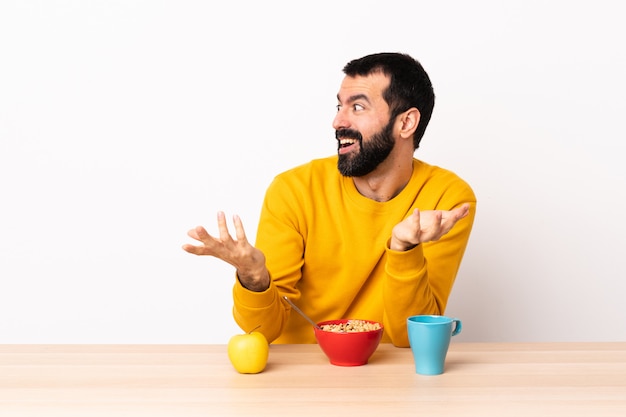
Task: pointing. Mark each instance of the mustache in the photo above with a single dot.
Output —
(348, 134)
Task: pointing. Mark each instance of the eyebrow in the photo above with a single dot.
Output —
(354, 98)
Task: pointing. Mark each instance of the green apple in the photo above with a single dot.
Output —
(248, 352)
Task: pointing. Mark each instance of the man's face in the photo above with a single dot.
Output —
(363, 130)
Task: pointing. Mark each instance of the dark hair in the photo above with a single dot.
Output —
(409, 87)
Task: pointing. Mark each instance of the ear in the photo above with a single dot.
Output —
(408, 122)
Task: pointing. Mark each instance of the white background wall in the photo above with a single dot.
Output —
(125, 123)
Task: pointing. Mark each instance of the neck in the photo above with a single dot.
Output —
(386, 181)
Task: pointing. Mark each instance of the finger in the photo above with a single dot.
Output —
(440, 225)
(197, 233)
(436, 222)
(461, 212)
(415, 217)
(465, 210)
(450, 222)
(456, 214)
(193, 234)
(222, 227)
(191, 249)
(239, 231)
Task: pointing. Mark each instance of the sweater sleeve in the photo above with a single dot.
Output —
(420, 280)
(279, 237)
(260, 311)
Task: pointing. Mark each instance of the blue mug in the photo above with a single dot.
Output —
(429, 337)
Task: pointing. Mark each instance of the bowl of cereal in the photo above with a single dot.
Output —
(348, 342)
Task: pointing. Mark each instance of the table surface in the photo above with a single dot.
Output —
(480, 379)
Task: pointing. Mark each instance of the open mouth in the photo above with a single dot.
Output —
(347, 139)
(345, 143)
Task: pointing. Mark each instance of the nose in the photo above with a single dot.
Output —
(340, 121)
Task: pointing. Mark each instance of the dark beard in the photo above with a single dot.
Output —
(370, 153)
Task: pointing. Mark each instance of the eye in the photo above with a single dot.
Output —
(358, 107)
(338, 107)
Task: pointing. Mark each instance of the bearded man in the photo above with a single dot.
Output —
(370, 233)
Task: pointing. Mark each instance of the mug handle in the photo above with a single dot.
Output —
(457, 327)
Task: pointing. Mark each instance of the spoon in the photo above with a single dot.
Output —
(301, 313)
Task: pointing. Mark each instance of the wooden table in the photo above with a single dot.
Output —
(492, 379)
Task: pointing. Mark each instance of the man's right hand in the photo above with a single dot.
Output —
(247, 260)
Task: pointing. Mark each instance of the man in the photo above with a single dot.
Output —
(371, 233)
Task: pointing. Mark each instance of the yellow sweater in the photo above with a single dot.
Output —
(327, 249)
